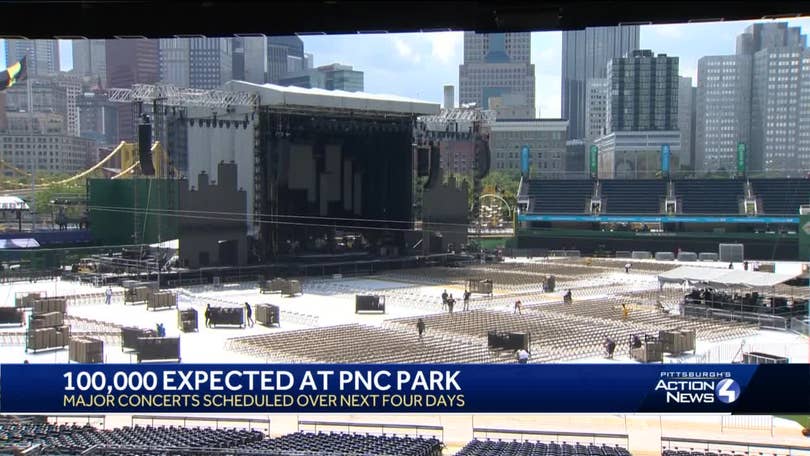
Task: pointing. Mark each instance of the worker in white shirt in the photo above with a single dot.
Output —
(523, 356)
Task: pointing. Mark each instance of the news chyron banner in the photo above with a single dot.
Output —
(324, 388)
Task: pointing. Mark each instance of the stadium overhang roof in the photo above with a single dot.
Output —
(281, 96)
(724, 278)
(67, 19)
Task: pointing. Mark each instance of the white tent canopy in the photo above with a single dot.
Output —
(12, 203)
(728, 278)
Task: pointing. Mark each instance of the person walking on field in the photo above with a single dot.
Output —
(467, 300)
(249, 315)
(420, 328)
(444, 300)
(108, 295)
(518, 306)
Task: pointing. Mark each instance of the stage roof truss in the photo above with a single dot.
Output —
(460, 115)
(170, 95)
(343, 113)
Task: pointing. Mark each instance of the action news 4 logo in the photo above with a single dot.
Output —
(698, 387)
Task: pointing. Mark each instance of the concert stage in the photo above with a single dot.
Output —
(325, 172)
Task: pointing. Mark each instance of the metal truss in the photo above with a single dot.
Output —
(459, 115)
(178, 96)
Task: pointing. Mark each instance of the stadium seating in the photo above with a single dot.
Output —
(74, 440)
(525, 448)
(782, 196)
(566, 332)
(360, 444)
(709, 196)
(643, 196)
(355, 343)
(559, 196)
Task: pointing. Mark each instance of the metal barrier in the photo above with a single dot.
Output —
(721, 446)
(206, 421)
(381, 426)
(556, 436)
(800, 326)
(747, 423)
(762, 320)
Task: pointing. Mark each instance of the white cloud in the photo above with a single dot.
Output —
(547, 95)
(668, 30)
(446, 46)
(406, 51)
(689, 72)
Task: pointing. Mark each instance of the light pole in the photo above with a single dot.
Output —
(34, 156)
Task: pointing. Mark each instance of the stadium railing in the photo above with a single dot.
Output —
(731, 447)
(418, 429)
(801, 326)
(216, 421)
(621, 440)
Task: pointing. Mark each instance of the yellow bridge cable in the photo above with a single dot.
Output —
(94, 168)
(122, 173)
(8, 165)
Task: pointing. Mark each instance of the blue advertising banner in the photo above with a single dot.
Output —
(665, 156)
(654, 219)
(305, 388)
(524, 160)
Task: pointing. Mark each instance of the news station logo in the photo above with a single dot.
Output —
(698, 387)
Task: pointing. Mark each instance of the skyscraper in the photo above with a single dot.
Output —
(775, 109)
(497, 69)
(43, 55)
(723, 110)
(642, 117)
(686, 120)
(210, 63)
(329, 77)
(90, 58)
(756, 97)
(250, 59)
(199, 63)
(596, 94)
(3, 116)
(777, 103)
(768, 36)
(643, 92)
(585, 55)
(279, 51)
(131, 61)
(174, 61)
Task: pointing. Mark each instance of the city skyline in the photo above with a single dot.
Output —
(418, 65)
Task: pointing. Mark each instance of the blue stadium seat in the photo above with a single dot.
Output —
(641, 196)
(782, 196)
(709, 196)
(558, 196)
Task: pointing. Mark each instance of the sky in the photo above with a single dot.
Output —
(418, 65)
